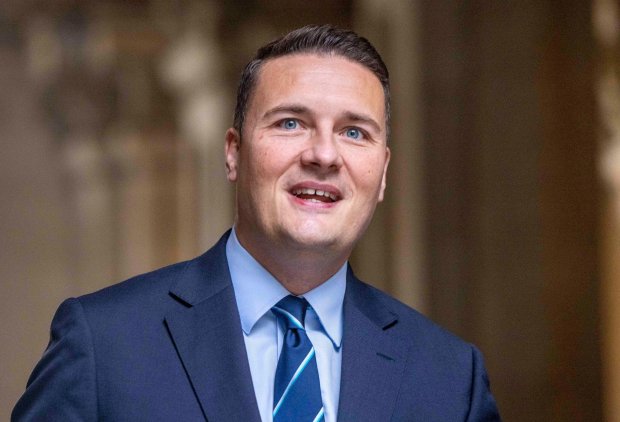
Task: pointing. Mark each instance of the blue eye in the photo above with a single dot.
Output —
(353, 133)
(289, 124)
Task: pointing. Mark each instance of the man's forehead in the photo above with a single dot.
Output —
(305, 71)
(311, 58)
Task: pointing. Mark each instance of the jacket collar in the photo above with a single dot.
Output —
(373, 357)
(208, 338)
(204, 277)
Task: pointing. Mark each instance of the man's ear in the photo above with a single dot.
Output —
(231, 149)
(384, 177)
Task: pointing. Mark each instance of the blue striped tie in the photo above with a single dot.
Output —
(297, 392)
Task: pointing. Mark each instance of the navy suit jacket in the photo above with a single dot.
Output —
(168, 346)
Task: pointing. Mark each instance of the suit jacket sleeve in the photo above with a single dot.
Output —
(63, 385)
(483, 407)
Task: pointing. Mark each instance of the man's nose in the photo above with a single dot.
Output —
(323, 151)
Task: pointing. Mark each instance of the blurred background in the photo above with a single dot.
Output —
(502, 220)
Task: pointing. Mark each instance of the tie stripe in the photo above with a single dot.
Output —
(319, 416)
(297, 390)
(298, 372)
(294, 321)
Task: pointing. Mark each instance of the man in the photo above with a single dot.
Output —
(271, 323)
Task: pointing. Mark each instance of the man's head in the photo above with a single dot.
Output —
(323, 40)
(312, 164)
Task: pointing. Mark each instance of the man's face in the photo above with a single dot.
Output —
(311, 163)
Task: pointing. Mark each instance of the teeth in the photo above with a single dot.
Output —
(310, 191)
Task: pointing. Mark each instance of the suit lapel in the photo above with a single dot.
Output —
(372, 360)
(208, 338)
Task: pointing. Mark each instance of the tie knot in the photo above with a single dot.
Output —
(292, 310)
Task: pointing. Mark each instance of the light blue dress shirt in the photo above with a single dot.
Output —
(256, 292)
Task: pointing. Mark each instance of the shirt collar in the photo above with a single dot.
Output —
(257, 291)
(327, 301)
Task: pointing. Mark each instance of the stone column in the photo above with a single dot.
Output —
(606, 21)
(392, 253)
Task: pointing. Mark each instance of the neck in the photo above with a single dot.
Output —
(298, 268)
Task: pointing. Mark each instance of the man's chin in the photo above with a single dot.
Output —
(313, 241)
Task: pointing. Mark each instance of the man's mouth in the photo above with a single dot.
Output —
(315, 195)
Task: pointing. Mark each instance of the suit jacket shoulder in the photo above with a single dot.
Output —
(407, 321)
(166, 345)
(401, 366)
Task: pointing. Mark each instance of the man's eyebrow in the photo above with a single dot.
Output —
(362, 118)
(287, 108)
